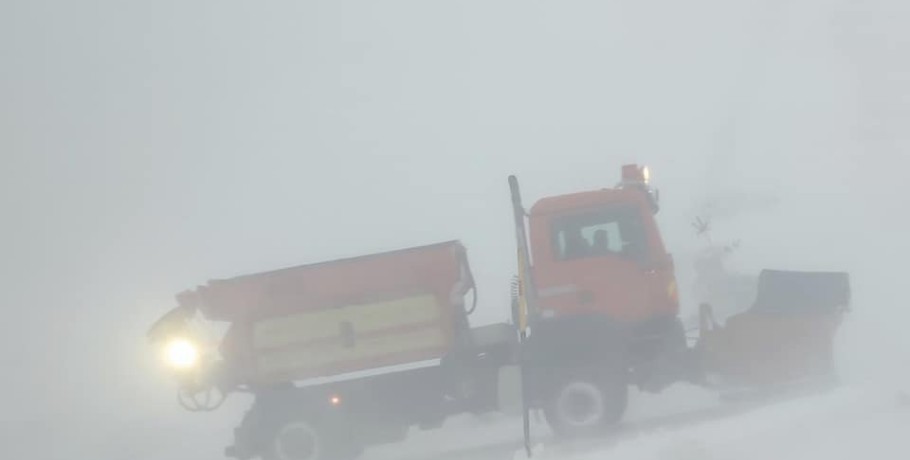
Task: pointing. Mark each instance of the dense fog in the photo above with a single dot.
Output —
(146, 147)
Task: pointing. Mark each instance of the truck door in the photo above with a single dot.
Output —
(596, 262)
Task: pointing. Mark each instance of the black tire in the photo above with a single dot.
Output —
(586, 405)
(299, 438)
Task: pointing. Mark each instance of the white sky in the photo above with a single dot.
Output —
(146, 147)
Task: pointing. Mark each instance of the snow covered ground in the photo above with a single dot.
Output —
(849, 422)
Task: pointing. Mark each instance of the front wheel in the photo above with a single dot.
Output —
(585, 406)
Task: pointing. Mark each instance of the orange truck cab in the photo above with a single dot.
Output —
(600, 252)
(602, 302)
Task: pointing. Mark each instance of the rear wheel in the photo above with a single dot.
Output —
(299, 439)
(586, 405)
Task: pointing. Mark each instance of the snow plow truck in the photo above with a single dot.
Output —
(350, 353)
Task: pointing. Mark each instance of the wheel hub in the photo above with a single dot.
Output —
(580, 404)
(297, 441)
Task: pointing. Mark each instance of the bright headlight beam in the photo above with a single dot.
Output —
(181, 354)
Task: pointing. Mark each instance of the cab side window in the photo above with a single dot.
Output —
(612, 232)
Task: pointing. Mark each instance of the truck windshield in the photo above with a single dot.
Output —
(614, 231)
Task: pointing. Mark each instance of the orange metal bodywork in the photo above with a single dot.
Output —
(787, 334)
(621, 288)
(755, 348)
(438, 272)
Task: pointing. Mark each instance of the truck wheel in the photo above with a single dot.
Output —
(586, 406)
(299, 439)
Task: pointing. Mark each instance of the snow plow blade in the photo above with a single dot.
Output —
(785, 337)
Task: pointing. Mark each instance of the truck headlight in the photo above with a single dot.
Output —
(181, 354)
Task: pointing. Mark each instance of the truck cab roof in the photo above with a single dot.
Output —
(588, 199)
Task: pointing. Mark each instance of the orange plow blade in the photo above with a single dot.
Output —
(786, 336)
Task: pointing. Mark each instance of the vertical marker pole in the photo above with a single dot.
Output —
(525, 410)
(525, 301)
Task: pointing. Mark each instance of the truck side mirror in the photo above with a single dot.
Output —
(654, 198)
